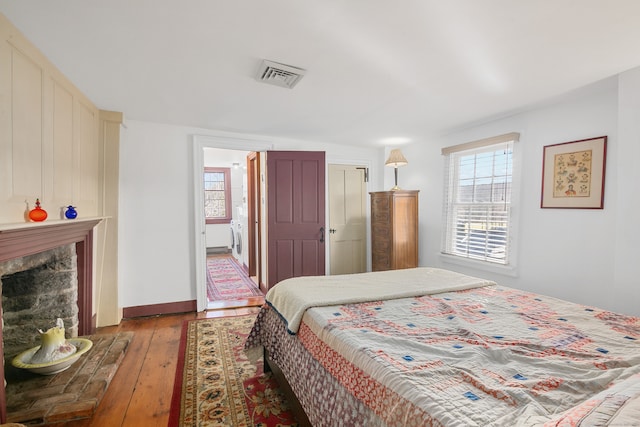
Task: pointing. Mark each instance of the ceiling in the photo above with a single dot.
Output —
(378, 72)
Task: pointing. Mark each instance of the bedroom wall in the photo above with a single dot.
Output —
(595, 264)
(157, 209)
(587, 256)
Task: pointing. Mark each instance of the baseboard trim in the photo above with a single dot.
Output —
(218, 250)
(155, 309)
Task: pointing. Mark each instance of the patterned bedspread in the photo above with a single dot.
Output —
(490, 356)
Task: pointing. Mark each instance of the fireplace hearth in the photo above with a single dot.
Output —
(34, 239)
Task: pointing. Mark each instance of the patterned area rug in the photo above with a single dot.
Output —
(226, 280)
(215, 383)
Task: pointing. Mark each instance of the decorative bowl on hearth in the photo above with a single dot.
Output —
(55, 354)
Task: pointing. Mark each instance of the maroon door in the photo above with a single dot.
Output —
(295, 214)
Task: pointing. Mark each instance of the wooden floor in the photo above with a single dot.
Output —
(140, 393)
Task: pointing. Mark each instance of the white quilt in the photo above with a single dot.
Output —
(292, 297)
(484, 357)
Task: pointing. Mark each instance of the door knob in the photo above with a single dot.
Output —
(332, 230)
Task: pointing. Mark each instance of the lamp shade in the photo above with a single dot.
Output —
(396, 159)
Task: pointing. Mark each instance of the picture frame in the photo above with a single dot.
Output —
(573, 174)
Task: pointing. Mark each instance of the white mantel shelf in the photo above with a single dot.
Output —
(22, 225)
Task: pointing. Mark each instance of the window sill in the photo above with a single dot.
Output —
(506, 270)
(218, 221)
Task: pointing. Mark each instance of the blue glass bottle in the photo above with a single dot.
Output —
(71, 212)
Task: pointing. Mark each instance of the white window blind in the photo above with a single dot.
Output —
(478, 194)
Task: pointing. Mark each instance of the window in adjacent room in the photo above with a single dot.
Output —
(479, 190)
(217, 195)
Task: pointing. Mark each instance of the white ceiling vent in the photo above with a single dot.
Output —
(279, 74)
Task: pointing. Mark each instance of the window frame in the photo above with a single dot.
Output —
(507, 238)
(227, 193)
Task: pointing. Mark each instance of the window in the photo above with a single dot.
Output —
(217, 195)
(478, 199)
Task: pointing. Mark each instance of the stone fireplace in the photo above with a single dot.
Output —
(36, 290)
(61, 250)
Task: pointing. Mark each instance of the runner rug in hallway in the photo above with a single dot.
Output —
(227, 281)
(215, 383)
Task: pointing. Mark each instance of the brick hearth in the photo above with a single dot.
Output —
(75, 393)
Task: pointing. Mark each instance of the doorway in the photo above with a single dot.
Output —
(228, 279)
(239, 147)
(250, 145)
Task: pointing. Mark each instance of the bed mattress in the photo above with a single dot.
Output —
(483, 356)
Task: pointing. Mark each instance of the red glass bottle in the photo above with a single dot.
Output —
(37, 214)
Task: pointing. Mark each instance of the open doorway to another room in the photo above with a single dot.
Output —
(226, 205)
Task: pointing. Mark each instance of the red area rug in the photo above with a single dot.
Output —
(215, 383)
(227, 281)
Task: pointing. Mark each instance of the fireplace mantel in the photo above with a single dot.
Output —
(19, 240)
(48, 223)
(23, 239)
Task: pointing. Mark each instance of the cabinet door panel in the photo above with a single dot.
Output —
(62, 190)
(26, 124)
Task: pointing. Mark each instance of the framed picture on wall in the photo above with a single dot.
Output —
(573, 174)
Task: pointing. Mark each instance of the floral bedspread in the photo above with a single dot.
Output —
(490, 356)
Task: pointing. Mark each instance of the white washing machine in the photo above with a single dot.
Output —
(236, 239)
(233, 238)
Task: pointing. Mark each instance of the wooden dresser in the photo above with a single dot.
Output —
(394, 229)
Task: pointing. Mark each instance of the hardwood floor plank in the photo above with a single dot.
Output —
(140, 392)
(113, 407)
(151, 400)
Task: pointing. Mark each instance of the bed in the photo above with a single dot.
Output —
(431, 347)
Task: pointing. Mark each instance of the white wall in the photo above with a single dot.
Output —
(218, 236)
(157, 201)
(156, 218)
(626, 283)
(588, 256)
(581, 255)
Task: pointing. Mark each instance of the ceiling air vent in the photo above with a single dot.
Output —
(279, 74)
